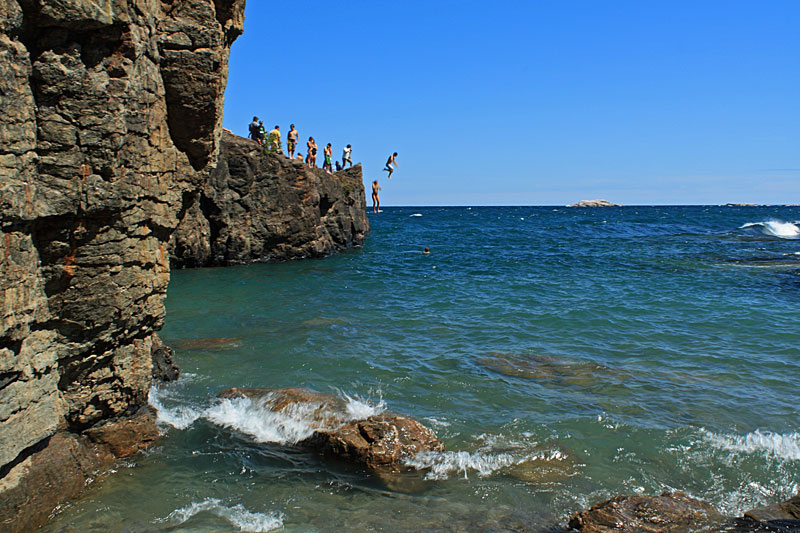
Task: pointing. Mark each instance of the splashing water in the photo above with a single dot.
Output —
(767, 443)
(236, 515)
(776, 228)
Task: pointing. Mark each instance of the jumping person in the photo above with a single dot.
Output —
(291, 141)
(327, 165)
(346, 156)
(376, 201)
(390, 164)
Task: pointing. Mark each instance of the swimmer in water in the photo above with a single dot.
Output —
(426, 250)
(376, 201)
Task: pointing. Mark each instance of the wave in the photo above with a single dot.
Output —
(767, 443)
(290, 425)
(441, 464)
(776, 228)
(416, 215)
(236, 515)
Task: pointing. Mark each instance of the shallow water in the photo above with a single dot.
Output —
(562, 355)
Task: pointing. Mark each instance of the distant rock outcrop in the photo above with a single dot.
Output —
(111, 114)
(262, 206)
(594, 203)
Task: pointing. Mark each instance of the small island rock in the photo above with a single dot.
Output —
(784, 515)
(594, 203)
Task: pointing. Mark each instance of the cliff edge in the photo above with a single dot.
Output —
(111, 112)
(263, 206)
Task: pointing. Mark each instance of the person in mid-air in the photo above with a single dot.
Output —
(390, 164)
(346, 156)
(291, 141)
(376, 201)
(328, 153)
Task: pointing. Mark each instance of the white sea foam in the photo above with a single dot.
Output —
(442, 464)
(416, 215)
(236, 515)
(776, 228)
(767, 443)
(179, 417)
(290, 425)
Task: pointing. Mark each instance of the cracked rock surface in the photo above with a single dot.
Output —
(111, 113)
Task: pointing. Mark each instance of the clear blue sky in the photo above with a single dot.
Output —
(533, 102)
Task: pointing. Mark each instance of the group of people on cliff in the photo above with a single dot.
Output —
(272, 143)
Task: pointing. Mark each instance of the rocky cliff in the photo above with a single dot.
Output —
(111, 118)
(258, 206)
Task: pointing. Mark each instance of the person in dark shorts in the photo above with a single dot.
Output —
(390, 164)
(348, 150)
(254, 130)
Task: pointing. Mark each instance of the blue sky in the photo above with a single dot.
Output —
(535, 103)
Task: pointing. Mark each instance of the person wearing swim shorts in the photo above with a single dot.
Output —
(346, 156)
(328, 153)
(390, 164)
(291, 141)
(376, 201)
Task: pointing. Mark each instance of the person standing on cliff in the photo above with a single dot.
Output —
(262, 132)
(274, 140)
(376, 201)
(254, 130)
(311, 158)
(291, 141)
(346, 156)
(390, 164)
(328, 153)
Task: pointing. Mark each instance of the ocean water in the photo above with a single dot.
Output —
(562, 355)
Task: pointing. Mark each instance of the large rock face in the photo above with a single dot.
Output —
(258, 206)
(111, 111)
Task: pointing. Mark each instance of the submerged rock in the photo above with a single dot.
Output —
(670, 512)
(381, 442)
(207, 343)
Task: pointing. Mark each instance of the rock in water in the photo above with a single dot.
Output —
(670, 512)
(380, 442)
(781, 517)
(594, 203)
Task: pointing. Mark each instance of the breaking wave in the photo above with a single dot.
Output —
(290, 425)
(442, 464)
(775, 228)
(767, 443)
(236, 515)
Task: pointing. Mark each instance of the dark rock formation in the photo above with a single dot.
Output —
(594, 203)
(380, 442)
(111, 113)
(258, 206)
(670, 512)
(780, 517)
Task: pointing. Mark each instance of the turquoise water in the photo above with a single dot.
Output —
(562, 355)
